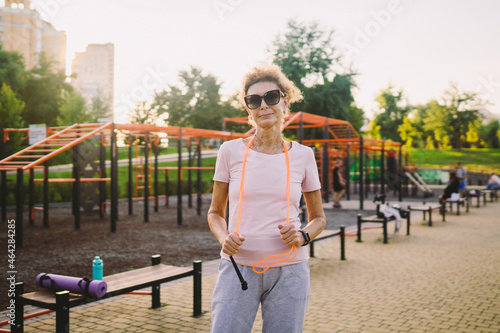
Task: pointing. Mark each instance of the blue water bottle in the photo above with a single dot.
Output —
(97, 268)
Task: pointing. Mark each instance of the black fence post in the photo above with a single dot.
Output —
(31, 197)
(326, 166)
(156, 149)
(382, 169)
(197, 288)
(46, 195)
(114, 180)
(19, 210)
(102, 174)
(146, 177)
(190, 175)
(76, 185)
(342, 242)
(130, 187)
(361, 166)
(198, 202)
(179, 178)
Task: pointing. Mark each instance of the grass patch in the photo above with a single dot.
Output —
(476, 160)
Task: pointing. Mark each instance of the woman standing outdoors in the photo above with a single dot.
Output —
(263, 177)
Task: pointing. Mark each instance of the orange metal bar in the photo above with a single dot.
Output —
(36, 145)
(70, 145)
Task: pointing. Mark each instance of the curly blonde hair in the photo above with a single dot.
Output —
(270, 73)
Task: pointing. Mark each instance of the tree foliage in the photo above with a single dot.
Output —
(393, 108)
(73, 110)
(307, 55)
(10, 117)
(43, 93)
(194, 102)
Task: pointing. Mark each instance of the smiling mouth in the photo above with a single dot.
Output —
(266, 115)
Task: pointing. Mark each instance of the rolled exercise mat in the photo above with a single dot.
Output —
(76, 285)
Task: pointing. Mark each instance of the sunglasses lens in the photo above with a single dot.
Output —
(272, 97)
(253, 101)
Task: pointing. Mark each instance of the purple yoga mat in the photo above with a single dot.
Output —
(54, 282)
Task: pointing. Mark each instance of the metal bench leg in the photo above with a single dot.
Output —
(311, 249)
(385, 231)
(359, 227)
(342, 242)
(430, 217)
(18, 325)
(197, 288)
(408, 225)
(62, 312)
(155, 289)
(155, 296)
(458, 207)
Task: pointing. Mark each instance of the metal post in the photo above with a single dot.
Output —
(326, 166)
(190, 176)
(367, 174)
(156, 148)
(3, 198)
(114, 180)
(19, 210)
(400, 172)
(46, 195)
(130, 188)
(31, 197)
(361, 183)
(197, 288)
(62, 312)
(17, 326)
(76, 187)
(198, 202)
(179, 178)
(382, 169)
(342, 242)
(102, 174)
(146, 177)
(301, 128)
(167, 187)
(347, 169)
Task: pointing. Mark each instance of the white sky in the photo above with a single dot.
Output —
(418, 45)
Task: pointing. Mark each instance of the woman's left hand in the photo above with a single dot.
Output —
(290, 235)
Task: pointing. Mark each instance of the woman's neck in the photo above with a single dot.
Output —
(268, 140)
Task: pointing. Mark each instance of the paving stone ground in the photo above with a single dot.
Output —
(444, 278)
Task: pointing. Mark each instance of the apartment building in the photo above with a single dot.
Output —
(95, 71)
(23, 30)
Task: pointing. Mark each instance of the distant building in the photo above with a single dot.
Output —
(22, 30)
(95, 73)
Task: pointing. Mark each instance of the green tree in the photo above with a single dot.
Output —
(393, 109)
(488, 133)
(195, 102)
(10, 117)
(307, 55)
(99, 108)
(143, 114)
(12, 70)
(43, 93)
(472, 134)
(429, 143)
(408, 133)
(73, 110)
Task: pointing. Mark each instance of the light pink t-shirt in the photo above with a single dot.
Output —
(264, 204)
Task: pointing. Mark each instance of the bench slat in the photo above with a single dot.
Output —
(130, 279)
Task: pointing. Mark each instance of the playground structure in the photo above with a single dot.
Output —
(88, 144)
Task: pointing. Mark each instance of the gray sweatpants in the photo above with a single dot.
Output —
(282, 291)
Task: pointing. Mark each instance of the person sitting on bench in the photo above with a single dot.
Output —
(493, 182)
(452, 187)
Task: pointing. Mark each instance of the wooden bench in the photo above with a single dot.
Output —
(428, 208)
(384, 220)
(327, 234)
(459, 202)
(493, 194)
(118, 284)
(478, 196)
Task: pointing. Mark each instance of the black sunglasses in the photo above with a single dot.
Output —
(271, 97)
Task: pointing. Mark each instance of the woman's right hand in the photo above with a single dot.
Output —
(232, 244)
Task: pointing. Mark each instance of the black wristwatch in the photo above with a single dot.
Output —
(306, 237)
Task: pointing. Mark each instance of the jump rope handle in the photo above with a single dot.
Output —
(244, 284)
